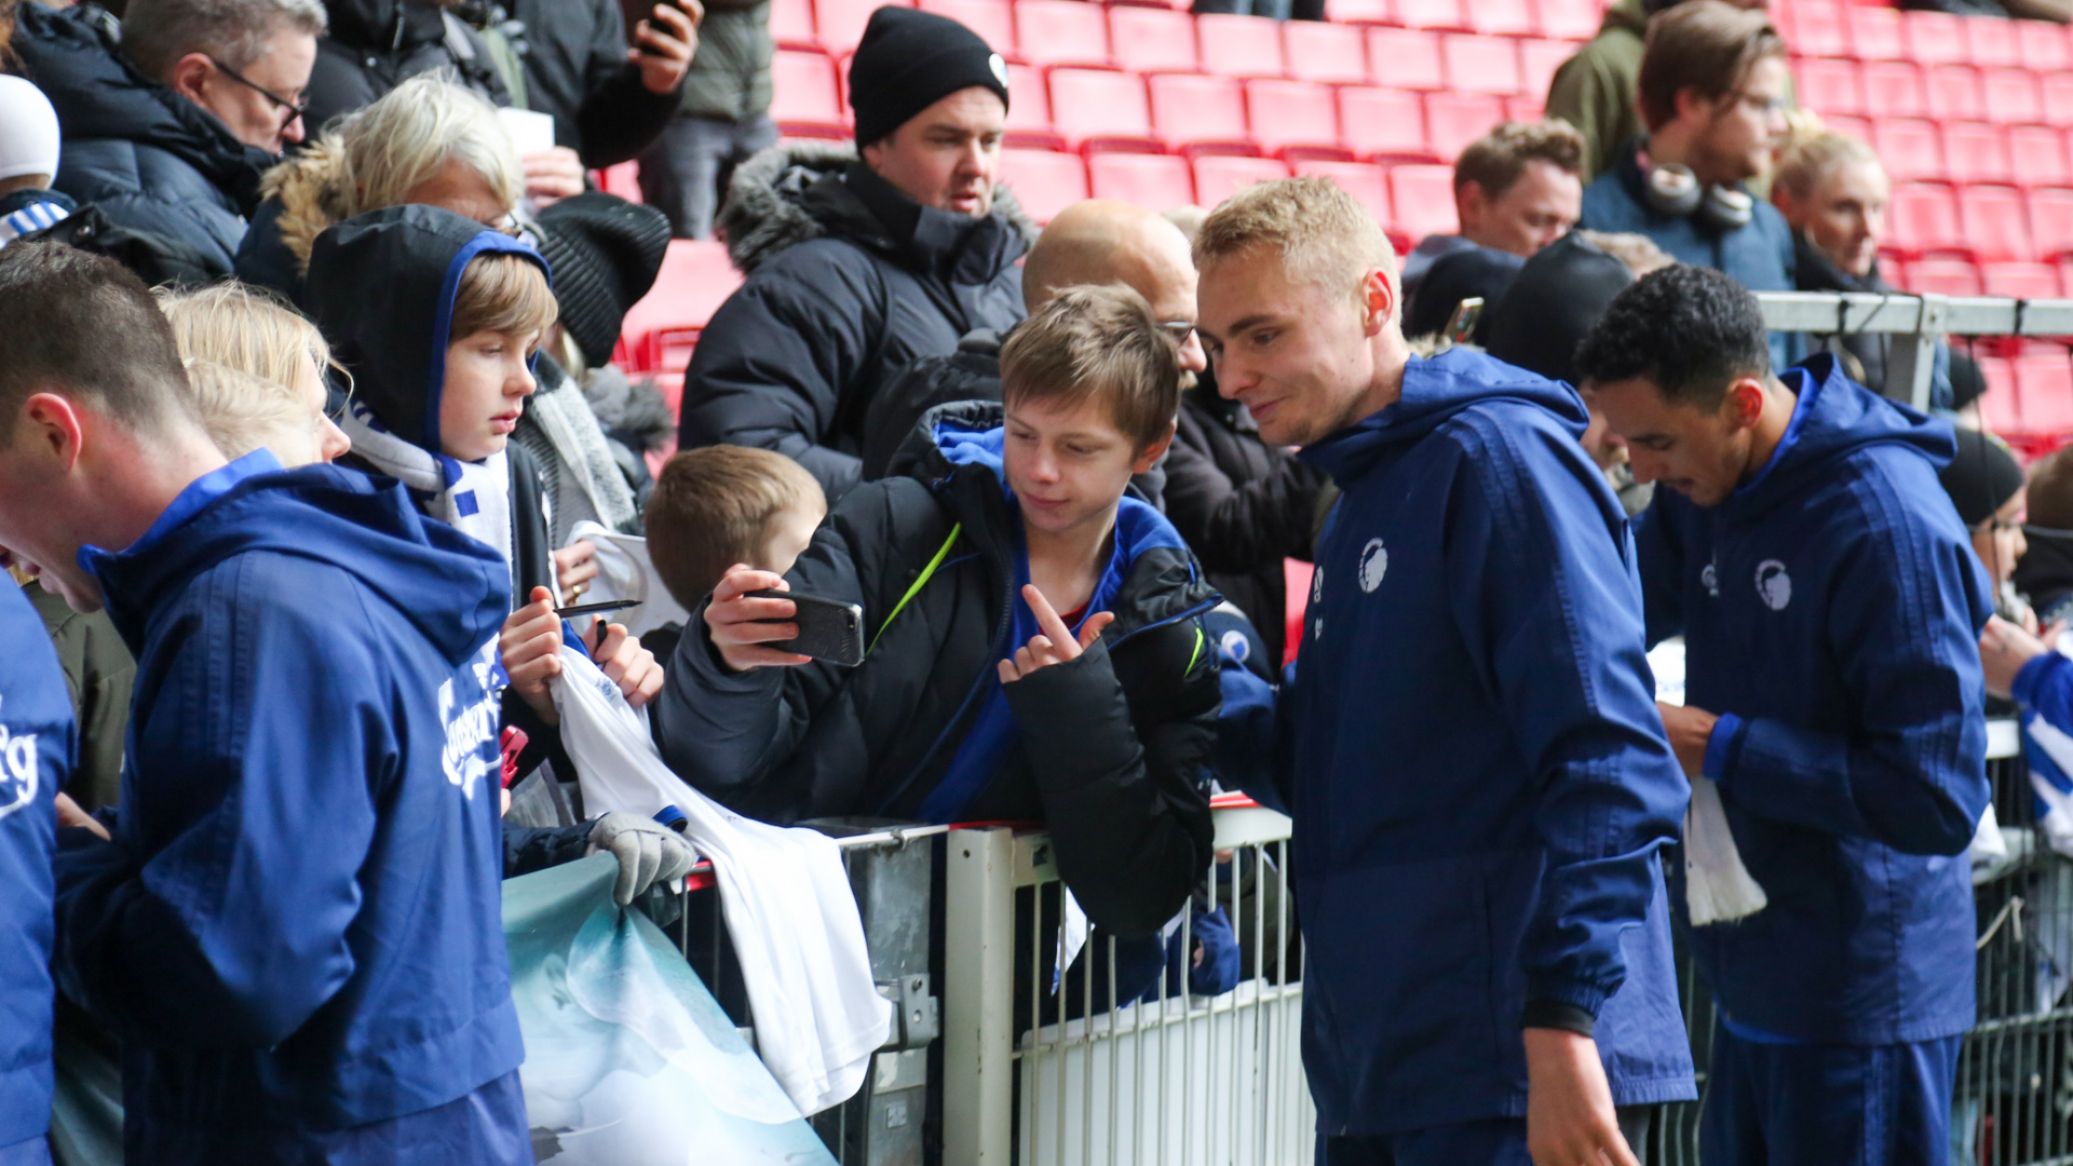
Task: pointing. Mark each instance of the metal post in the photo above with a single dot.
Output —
(978, 1004)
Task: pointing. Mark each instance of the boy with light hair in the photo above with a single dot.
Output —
(257, 369)
(1478, 817)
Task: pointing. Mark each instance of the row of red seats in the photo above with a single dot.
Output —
(1985, 222)
(2029, 395)
(1411, 201)
(2006, 95)
(1955, 275)
(1105, 109)
(2027, 156)
(1926, 38)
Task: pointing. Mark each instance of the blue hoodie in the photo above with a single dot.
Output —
(296, 929)
(1479, 779)
(1831, 610)
(36, 754)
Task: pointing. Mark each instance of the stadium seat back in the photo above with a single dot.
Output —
(1154, 40)
(1422, 199)
(2045, 384)
(1219, 176)
(1875, 33)
(1481, 64)
(804, 99)
(1453, 120)
(1538, 60)
(1935, 38)
(2022, 281)
(1044, 181)
(1403, 58)
(1100, 106)
(1238, 46)
(1995, 223)
(1194, 111)
(993, 20)
(1924, 217)
(2038, 154)
(2051, 221)
(1156, 182)
(840, 23)
(1977, 151)
(2011, 96)
(1570, 20)
(1331, 53)
(1892, 89)
(1432, 13)
(1062, 32)
(1909, 148)
(791, 24)
(1943, 276)
(1386, 123)
(1830, 87)
(1287, 115)
(1365, 181)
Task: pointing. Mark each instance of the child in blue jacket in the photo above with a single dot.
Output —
(1830, 603)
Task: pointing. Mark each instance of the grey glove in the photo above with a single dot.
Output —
(647, 851)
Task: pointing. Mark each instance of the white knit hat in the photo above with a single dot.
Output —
(28, 130)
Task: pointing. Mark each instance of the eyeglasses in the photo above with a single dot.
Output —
(292, 109)
(1178, 330)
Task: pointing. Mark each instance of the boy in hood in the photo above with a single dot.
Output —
(1830, 604)
(438, 320)
(294, 929)
(1470, 752)
(1034, 650)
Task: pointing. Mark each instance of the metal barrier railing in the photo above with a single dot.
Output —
(1917, 322)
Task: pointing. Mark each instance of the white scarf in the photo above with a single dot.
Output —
(473, 497)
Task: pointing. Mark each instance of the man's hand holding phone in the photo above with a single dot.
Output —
(741, 625)
(665, 43)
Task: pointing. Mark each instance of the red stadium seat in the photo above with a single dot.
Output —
(1061, 32)
(1402, 58)
(696, 278)
(804, 99)
(993, 20)
(1153, 40)
(1453, 120)
(1365, 181)
(623, 180)
(1360, 11)
(1195, 112)
(1290, 115)
(1384, 123)
(1924, 218)
(1994, 222)
(2022, 281)
(1570, 20)
(1908, 148)
(1935, 38)
(791, 23)
(2058, 99)
(1044, 181)
(1432, 13)
(1331, 53)
(1239, 46)
(1524, 107)
(1538, 60)
(1101, 108)
(1029, 115)
(1893, 89)
(1829, 87)
(2011, 96)
(1952, 93)
(840, 23)
(1501, 17)
(1976, 152)
(2045, 384)
(1875, 34)
(1994, 43)
(1856, 127)
(1944, 277)
(2051, 221)
(1219, 176)
(1157, 182)
(1481, 64)
(2039, 155)
(1817, 31)
(1423, 200)
(1999, 407)
(2041, 54)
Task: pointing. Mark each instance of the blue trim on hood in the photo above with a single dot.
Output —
(185, 505)
(1803, 395)
(489, 242)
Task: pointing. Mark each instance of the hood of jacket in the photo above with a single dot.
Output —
(311, 187)
(72, 54)
(382, 288)
(1834, 417)
(799, 191)
(450, 587)
(1627, 16)
(1434, 390)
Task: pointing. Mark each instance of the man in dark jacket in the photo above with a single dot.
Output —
(376, 45)
(1712, 98)
(168, 128)
(1830, 604)
(858, 266)
(608, 100)
(1470, 746)
(1034, 646)
(294, 930)
(724, 118)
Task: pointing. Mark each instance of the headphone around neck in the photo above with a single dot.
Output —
(1672, 189)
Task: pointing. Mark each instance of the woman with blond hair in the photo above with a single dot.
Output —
(257, 370)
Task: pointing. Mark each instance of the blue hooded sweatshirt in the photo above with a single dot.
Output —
(296, 931)
(1831, 610)
(1479, 778)
(36, 754)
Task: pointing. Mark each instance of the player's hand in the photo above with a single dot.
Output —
(739, 624)
(1054, 643)
(1569, 1116)
(1688, 729)
(70, 814)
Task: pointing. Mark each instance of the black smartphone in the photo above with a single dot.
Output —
(676, 4)
(829, 629)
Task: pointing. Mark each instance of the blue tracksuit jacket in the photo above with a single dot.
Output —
(1831, 609)
(1479, 779)
(297, 928)
(36, 753)
(1759, 255)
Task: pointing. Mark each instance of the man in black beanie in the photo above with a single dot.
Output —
(860, 263)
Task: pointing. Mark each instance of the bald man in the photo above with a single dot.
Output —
(1094, 242)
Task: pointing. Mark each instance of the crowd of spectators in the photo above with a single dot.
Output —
(310, 433)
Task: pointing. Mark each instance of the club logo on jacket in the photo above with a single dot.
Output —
(18, 771)
(1773, 585)
(471, 730)
(1374, 563)
(1710, 580)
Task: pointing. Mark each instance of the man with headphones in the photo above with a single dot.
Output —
(1712, 94)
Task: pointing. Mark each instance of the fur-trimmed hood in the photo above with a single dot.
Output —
(311, 188)
(794, 192)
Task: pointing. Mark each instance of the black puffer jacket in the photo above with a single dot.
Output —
(1242, 504)
(1111, 749)
(376, 45)
(849, 282)
(152, 160)
(576, 71)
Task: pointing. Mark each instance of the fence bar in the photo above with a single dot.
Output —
(978, 1014)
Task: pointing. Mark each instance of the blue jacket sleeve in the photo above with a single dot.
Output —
(1545, 599)
(1660, 556)
(1911, 772)
(218, 915)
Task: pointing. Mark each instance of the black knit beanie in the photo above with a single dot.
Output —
(908, 61)
(1982, 477)
(605, 252)
(1553, 304)
(1471, 273)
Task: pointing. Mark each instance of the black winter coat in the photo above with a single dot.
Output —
(1243, 505)
(576, 71)
(849, 282)
(152, 160)
(375, 45)
(1113, 747)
